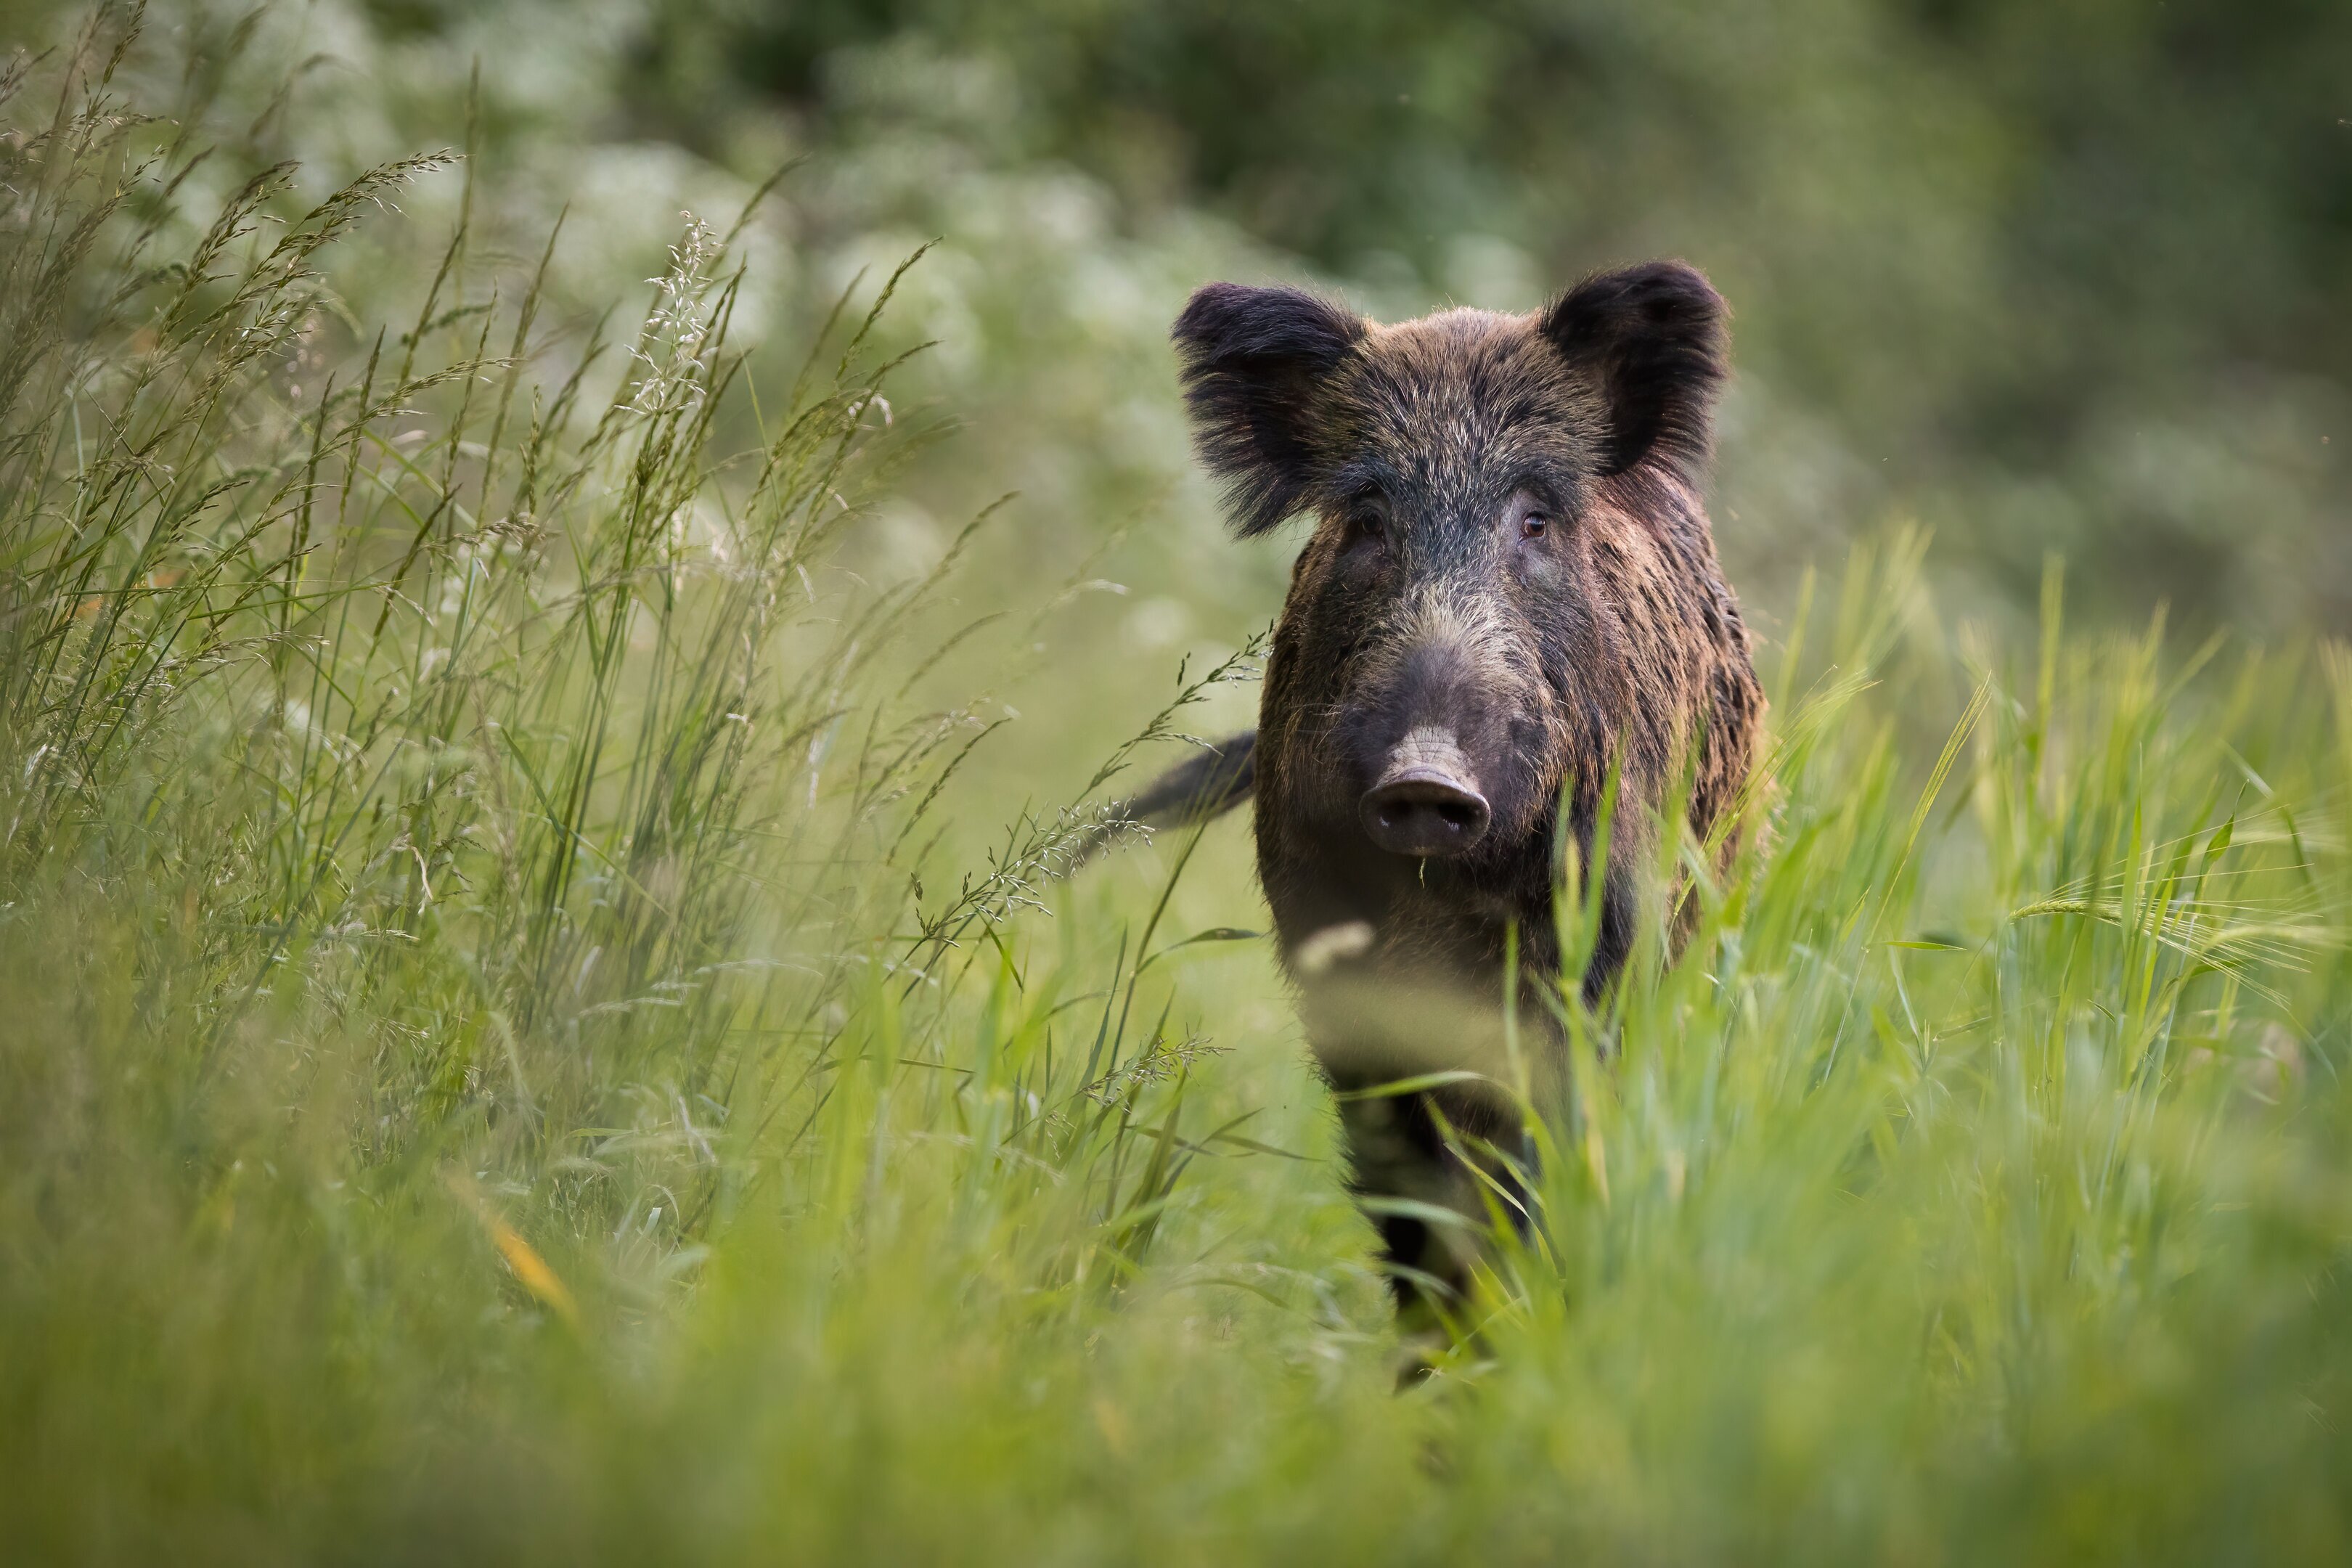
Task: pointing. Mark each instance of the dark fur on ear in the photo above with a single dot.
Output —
(1652, 338)
(1253, 360)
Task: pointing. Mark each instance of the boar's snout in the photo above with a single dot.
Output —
(1427, 801)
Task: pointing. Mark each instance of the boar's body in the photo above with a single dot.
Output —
(1510, 591)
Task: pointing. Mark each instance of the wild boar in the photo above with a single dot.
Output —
(1510, 591)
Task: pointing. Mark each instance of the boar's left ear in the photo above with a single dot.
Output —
(1253, 363)
(1652, 340)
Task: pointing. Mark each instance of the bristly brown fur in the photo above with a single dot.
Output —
(1252, 361)
(1655, 337)
(1600, 636)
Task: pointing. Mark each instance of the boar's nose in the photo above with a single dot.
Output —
(1426, 802)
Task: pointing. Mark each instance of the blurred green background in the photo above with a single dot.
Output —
(2044, 275)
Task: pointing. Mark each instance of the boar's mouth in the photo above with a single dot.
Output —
(1427, 802)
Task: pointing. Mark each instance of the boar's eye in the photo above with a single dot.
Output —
(1533, 524)
(1370, 524)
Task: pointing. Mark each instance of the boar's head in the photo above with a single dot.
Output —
(1510, 588)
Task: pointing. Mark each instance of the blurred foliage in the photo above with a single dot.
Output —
(2078, 275)
(2070, 276)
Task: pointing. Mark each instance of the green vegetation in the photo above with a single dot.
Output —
(2048, 273)
(534, 1024)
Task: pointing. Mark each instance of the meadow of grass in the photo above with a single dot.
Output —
(513, 1045)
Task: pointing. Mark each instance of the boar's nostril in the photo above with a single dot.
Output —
(1426, 802)
(1423, 811)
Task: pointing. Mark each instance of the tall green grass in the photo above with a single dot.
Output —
(511, 1048)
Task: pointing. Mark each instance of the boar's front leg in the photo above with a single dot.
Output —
(1430, 1168)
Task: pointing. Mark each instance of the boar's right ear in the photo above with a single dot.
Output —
(1253, 360)
(1652, 340)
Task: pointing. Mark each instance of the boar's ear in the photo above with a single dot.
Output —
(1254, 361)
(1652, 338)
